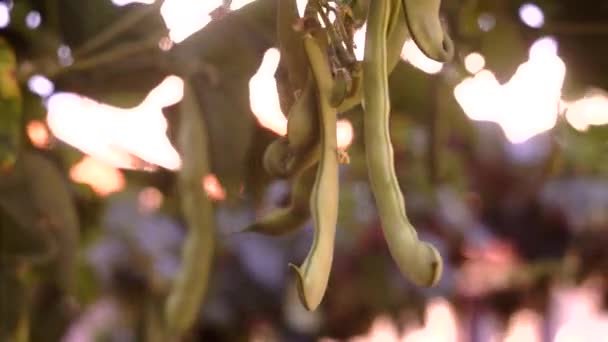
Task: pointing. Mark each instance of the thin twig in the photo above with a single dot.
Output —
(115, 54)
(120, 26)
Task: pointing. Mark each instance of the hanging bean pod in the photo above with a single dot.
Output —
(418, 260)
(286, 220)
(313, 274)
(190, 285)
(426, 29)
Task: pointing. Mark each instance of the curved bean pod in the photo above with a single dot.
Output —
(286, 220)
(276, 158)
(302, 121)
(424, 24)
(313, 274)
(419, 261)
(190, 285)
(280, 160)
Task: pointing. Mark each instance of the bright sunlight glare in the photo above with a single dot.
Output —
(263, 94)
(5, 15)
(584, 319)
(413, 55)
(524, 325)
(127, 2)
(116, 135)
(236, 4)
(264, 100)
(440, 325)
(591, 110)
(185, 17)
(359, 40)
(524, 106)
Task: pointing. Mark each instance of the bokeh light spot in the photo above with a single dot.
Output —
(40, 85)
(486, 22)
(5, 15)
(38, 134)
(33, 19)
(531, 15)
(474, 62)
(102, 178)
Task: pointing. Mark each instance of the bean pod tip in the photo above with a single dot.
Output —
(307, 300)
(436, 264)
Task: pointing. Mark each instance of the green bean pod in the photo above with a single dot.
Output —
(190, 285)
(426, 29)
(397, 34)
(302, 121)
(291, 45)
(420, 262)
(283, 158)
(276, 157)
(313, 274)
(286, 220)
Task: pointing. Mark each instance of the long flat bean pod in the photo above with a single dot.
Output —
(313, 274)
(419, 261)
(191, 282)
(283, 161)
(397, 33)
(424, 24)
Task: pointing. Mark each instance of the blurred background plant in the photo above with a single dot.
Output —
(501, 155)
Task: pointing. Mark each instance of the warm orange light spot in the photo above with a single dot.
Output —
(103, 178)
(590, 110)
(214, 189)
(150, 199)
(524, 106)
(38, 134)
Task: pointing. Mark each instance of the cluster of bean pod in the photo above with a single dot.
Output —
(327, 80)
